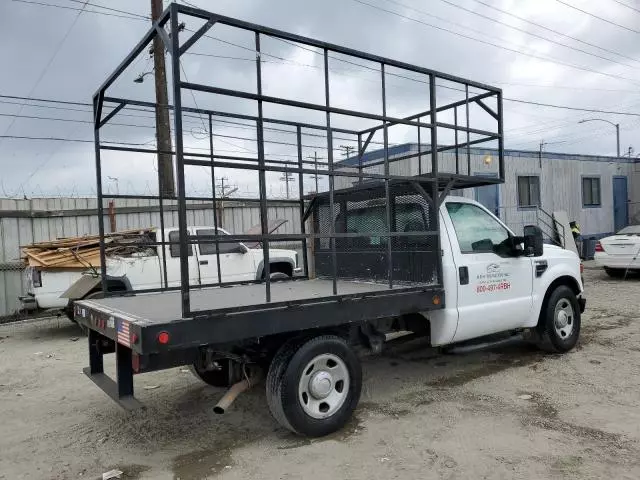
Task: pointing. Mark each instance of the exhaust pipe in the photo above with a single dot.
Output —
(235, 390)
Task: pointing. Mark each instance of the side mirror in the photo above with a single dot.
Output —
(533, 241)
(240, 248)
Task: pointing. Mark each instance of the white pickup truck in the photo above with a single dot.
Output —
(53, 289)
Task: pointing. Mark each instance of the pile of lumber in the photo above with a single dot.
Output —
(82, 252)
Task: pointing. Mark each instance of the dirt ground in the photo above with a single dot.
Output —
(509, 412)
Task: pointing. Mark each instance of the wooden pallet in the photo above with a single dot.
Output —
(78, 252)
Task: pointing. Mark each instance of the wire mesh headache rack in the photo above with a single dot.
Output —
(374, 220)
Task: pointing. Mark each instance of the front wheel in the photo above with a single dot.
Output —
(314, 386)
(558, 328)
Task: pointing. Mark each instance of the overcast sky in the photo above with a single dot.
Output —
(62, 54)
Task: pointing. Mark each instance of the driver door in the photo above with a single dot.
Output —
(236, 263)
(494, 284)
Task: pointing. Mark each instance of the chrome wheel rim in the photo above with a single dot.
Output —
(323, 386)
(564, 318)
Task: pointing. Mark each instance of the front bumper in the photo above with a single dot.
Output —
(28, 302)
(582, 303)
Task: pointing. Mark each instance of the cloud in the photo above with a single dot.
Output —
(31, 34)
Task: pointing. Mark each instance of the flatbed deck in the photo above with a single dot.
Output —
(163, 307)
(241, 311)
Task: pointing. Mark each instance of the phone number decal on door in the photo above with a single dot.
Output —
(493, 287)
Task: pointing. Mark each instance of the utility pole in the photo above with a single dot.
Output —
(225, 191)
(315, 163)
(286, 178)
(540, 153)
(347, 150)
(163, 127)
(542, 145)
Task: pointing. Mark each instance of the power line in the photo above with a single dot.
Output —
(62, 139)
(134, 16)
(204, 126)
(628, 6)
(145, 17)
(516, 100)
(598, 17)
(578, 109)
(546, 126)
(502, 47)
(205, 130)
(44, 100)
(557, 32)
(140, 17)
(63, 7)
(518, 29)
(364, 66)
(49, 62)
(189, 4)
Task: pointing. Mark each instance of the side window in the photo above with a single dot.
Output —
(206, 248)
(477, 231)
(368, 220)
(410, 218)
(209, 248)
(174, 248)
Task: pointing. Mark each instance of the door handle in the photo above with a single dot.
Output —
(464, 275)
(204, 262)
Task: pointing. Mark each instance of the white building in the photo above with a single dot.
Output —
(601, 193)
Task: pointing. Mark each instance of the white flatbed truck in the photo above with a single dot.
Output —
(389, 253)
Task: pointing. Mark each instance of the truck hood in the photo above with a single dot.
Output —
(554, 251)
(273, 253)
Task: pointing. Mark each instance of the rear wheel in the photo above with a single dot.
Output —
(314, 386)
(559, 325)
(615, 272)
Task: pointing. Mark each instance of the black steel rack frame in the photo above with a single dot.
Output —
(432, 185)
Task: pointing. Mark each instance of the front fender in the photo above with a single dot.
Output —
(558, 273)
(260, 268)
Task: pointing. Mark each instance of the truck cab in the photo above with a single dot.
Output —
(493, 280)
(492, 284)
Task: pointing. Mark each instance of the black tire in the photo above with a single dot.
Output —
(550, 336)
(283, 380)
(215, 378)
(279, 276)
(615, 272)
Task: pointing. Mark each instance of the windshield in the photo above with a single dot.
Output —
(630, 230)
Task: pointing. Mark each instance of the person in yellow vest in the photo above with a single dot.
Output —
(575, 231)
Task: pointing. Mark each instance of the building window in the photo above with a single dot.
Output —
(528, 191)
(590, 191)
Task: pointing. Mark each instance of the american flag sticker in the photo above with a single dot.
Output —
(123, 333)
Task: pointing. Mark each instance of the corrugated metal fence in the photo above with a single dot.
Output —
(26, 221)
